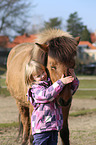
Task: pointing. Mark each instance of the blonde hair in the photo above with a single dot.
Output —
(32, 68)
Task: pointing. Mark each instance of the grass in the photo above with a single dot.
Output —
(87, 94)
(82, 112)
(87, 84)
(14, 124)
(4, 92)
(2, 81)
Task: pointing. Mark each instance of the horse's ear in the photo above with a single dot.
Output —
(44, 47)
(77, 40)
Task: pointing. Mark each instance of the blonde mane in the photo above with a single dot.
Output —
(49, 34)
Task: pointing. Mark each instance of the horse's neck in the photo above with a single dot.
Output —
(66, 92)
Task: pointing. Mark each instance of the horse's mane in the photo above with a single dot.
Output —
(61, 45)
(49, 34)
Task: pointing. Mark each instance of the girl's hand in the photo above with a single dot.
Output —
(67, 80)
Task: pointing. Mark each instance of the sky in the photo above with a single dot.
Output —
(46, 9)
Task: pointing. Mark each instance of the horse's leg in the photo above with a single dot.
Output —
(24, 112)
(30, 136)
(20, 127)
(64, 133)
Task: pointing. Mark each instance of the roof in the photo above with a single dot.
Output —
(24, 38)
(87, 43)
(5, 43)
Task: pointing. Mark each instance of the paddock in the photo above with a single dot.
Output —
(82, 127)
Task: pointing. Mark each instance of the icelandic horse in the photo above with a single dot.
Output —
(56, 50)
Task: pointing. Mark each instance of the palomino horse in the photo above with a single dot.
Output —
(56, 50)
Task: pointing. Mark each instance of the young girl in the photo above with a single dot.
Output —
(47, 118)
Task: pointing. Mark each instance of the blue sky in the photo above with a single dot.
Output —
(86, 9)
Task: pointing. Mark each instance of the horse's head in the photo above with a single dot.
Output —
(61, 53)
(56, 50)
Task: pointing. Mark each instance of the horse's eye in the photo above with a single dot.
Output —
(53, 68)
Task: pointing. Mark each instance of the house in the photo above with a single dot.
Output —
(4, 49)
(6, 45)
(23, 39)
(87, 57)
(86, 52)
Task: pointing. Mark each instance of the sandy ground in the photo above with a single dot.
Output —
(8, 110)
(82, 128)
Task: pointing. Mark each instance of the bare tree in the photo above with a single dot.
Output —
(14, 16)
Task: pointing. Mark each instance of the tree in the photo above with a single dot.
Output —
(53, 23)
(74, 25)
(85, 35)
(14, 16)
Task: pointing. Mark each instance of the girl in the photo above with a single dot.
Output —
(47, 118)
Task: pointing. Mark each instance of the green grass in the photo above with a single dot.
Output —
(14, 124)
(82, 112)
(87, 84)
(4, 92)
(2, 81)
(87, 94)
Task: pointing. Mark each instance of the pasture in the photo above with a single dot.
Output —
(82, 118)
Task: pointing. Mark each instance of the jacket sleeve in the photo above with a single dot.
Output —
(45, 95)
(74, 86)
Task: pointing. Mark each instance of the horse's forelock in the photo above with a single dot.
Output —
(62, 48)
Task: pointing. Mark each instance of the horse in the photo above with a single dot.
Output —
(56, 50)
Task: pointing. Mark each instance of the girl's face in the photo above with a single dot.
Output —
(42, 76)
